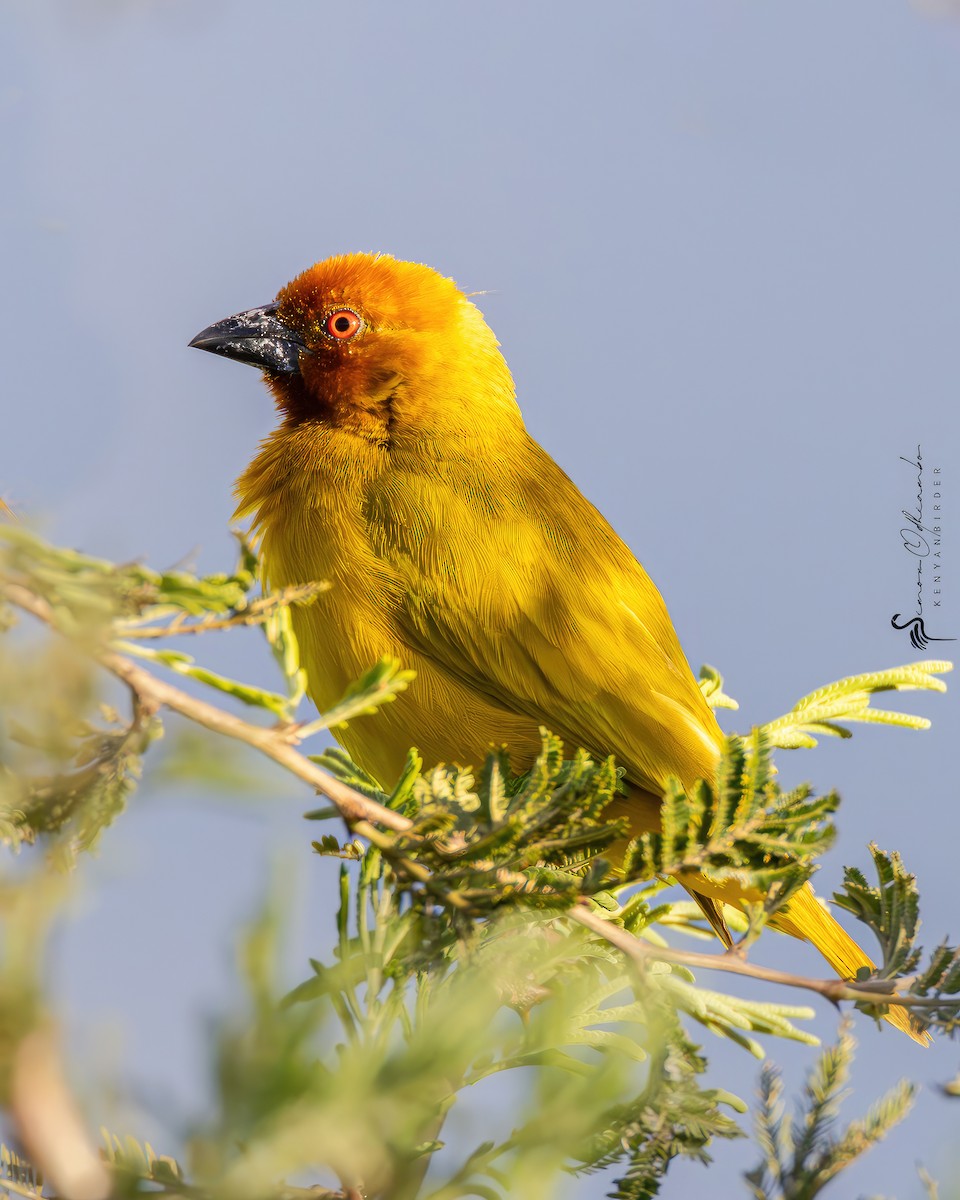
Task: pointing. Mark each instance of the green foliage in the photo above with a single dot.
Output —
(184, 664)
(134, 1164)
(821, 712)
(457, 957)
(85, 591)
(742, 826)
(892, 911)
(378, 686)
(68, 763)
(800, 1158)
(88, 793)
(132, 603)
(711, 684)
(479, 843)
(424, 1013)
(673, 1116)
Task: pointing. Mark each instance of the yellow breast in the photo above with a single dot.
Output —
(308, 491)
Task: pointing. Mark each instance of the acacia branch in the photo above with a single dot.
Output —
(643, 953)
(275, 743)
(255, 613)
(362, 814)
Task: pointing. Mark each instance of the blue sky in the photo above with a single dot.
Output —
(719, 246)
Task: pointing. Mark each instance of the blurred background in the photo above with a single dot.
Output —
(719, 244)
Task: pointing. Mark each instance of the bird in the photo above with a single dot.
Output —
(401, 471)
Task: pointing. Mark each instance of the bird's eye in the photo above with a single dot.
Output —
(342, 324)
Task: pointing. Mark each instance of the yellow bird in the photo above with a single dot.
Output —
(402, 472)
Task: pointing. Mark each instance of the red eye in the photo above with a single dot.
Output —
(342, 324)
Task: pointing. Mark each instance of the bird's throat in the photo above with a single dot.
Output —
(362, 406)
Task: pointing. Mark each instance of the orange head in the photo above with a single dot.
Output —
(384, 349)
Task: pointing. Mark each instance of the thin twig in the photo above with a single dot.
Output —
(642, 953)
(275, 743)
(254, 614)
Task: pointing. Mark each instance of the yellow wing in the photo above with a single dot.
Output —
(546, 613)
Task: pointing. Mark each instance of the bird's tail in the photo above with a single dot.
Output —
(803, 917)
(806, 918)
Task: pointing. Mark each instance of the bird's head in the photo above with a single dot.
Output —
(384, 349)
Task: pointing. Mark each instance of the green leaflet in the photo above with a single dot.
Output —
(820, 713)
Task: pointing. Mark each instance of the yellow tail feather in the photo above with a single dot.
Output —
(804, 917)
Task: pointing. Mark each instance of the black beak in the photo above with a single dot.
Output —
(257, 337)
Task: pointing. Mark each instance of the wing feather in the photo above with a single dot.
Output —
(550, 616)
